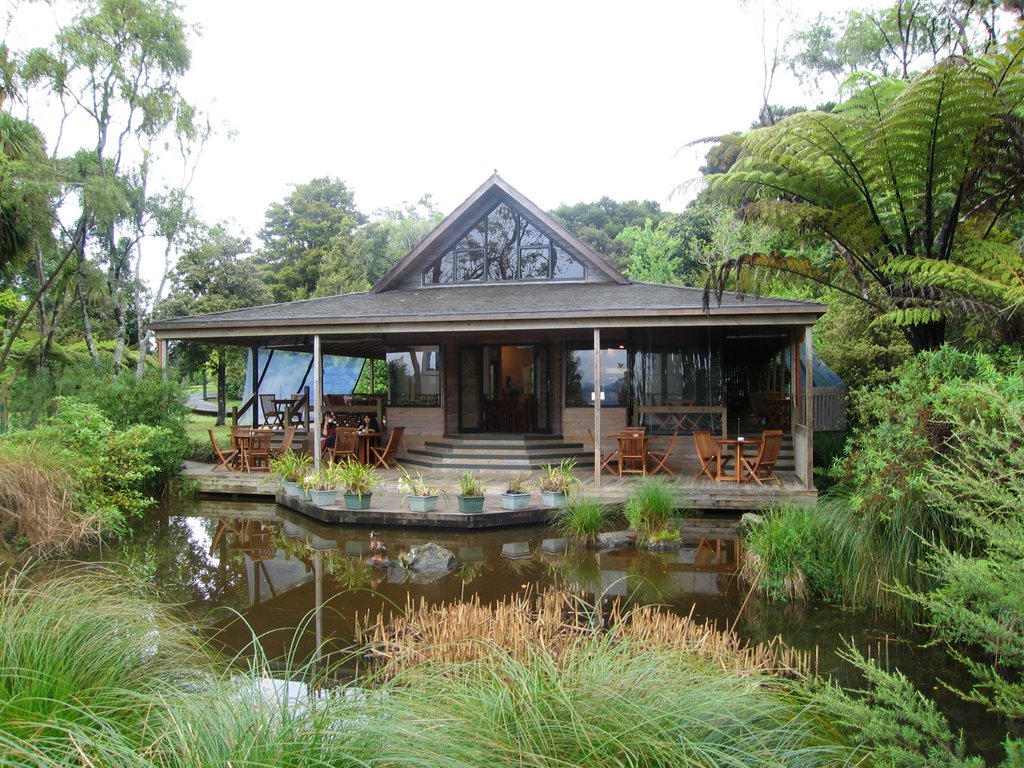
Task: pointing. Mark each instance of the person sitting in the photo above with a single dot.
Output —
(328, 433)
(369, 423)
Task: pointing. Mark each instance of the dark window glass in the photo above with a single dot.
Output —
(566, 267)
(579, 377)
(471, 266)
(533, 263)
(414, 377)
(504, 246)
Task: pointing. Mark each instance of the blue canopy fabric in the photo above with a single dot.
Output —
(284, 373)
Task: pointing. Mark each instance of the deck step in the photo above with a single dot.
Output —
(489, 451)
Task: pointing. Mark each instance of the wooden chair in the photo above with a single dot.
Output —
(272, 415)
(226, 459)
(345, 442)
(632, 452)
(660, 459)
(606, 458)
(762, 466)
(257, 457)
(709, 453)
(383, 456)
(286, 442)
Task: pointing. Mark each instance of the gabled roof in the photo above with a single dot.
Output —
(492, 192)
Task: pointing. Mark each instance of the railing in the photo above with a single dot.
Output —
(348, 410)
(829, 409)
(666, 419)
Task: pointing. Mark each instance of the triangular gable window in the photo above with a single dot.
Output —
(504, 246)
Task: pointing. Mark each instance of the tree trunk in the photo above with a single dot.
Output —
(80, 292)
(222, 389)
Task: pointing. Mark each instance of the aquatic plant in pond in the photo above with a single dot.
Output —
(650, 507)
(582, 517)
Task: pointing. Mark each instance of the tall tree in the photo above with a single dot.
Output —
(114, 69)
(317, 219)
(913, 182)
(897, 40)
(598, 224)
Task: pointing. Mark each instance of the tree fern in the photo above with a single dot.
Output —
(910, 182)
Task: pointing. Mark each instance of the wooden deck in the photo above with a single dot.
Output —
(691, 492)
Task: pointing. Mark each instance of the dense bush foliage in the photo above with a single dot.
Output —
(108, 471)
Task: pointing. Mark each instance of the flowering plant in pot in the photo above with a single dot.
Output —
(516, 496)
(422, 496)
(290, 467)
(357, 482)
(471, 493)
(556, 482)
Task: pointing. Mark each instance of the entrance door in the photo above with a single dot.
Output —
(541, 389)
(470, 389)
(503, 388)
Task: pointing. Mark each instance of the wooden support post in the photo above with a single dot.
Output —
(318, 398)
(597, 407)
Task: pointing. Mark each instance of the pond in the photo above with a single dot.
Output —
(254, 567)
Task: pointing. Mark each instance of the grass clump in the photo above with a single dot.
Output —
(650, 508)
(581, 518)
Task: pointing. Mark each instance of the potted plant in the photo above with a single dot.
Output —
(357, 482)
(471, 493)
(555, 482)
(289, 467)
(516, 496)
(322, 485)
(422, 496)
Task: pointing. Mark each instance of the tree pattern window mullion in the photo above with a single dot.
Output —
(503, 246)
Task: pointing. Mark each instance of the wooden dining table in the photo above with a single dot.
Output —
(364, 439)
(738, 445)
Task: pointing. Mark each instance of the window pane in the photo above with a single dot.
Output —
(533, 236)
(566, 267)
(533, 263)
(442, 271)
(414, 377)
(471, 265)
(503, 226)
(579, 377)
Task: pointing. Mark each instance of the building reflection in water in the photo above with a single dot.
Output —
(309, 583)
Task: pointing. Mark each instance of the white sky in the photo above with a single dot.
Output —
(568, 100)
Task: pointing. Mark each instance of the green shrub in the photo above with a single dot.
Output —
(109, 471)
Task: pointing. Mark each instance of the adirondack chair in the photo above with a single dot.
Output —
(762, 466)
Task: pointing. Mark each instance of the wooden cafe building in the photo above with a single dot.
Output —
(501, 322)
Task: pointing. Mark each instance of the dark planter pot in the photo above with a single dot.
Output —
(471, 504)
(357, 501)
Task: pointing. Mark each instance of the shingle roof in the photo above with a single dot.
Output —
(507, 303)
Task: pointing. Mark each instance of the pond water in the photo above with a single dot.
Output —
(254, 567)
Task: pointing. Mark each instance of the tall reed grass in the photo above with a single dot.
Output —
(38, 511)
